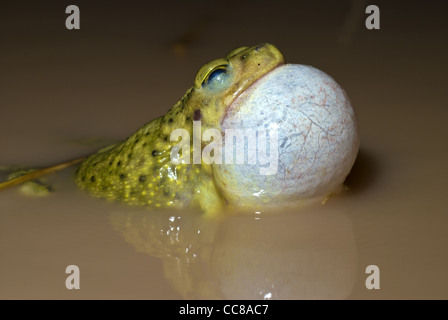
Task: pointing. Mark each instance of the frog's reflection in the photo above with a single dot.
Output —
(309, 254)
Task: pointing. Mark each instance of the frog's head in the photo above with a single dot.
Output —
(219, 82)
(249, 94)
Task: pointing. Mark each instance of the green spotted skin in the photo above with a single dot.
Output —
(139, 171)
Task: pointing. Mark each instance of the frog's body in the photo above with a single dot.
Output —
(140, 171)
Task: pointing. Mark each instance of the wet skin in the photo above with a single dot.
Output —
(139, 170)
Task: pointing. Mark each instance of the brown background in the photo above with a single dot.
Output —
(132, 60)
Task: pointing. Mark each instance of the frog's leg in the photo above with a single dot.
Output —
(209, 199)
(33, 187)
(38, 173)
(207, 196)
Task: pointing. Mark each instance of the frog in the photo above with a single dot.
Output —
(32, 188)
(139, 170)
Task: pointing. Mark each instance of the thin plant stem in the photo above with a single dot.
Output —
(39, 173)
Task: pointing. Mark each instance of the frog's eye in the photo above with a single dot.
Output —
(213, 74)
(216, 76)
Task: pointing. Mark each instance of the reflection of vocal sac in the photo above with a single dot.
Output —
(308, 255)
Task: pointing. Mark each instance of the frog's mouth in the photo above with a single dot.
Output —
(241, 97)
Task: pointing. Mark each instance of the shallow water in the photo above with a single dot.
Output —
(120, 70)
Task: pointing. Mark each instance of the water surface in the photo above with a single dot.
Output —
(119, 70)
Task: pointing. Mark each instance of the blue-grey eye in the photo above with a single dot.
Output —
(217, 78)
